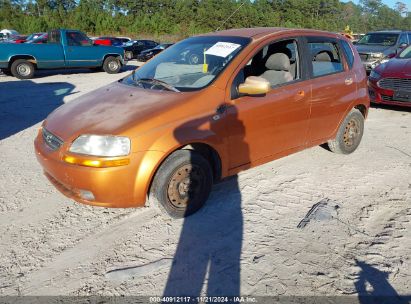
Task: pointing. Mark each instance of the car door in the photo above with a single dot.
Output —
(50, 54)
(80, 51)
(269, 124)
(333, 87)
(138, 47)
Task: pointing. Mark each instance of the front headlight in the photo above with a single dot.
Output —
(98, 145)
(374, 75)
(377, 55)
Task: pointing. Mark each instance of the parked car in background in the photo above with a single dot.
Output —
(171, 128)
(40, 39)
(33, 36)
(124, 39)
(357, 37)
(8, 34)
(390, 82)
(18, 39)
(376, 47)
(135, 47)
(110, 41)
(150, 53)
(64, 49)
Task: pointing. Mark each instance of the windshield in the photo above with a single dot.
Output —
(406, 53)
(387, 39)
(188, 65)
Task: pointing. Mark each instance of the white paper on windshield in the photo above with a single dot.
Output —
(222, 49)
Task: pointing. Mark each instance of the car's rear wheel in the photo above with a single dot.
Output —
(112, 65)
(22, 69)
(349, 134)
(182, 184)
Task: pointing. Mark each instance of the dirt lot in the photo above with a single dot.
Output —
(246, 238)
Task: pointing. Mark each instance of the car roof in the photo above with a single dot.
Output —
(388, 31)
(261, 32)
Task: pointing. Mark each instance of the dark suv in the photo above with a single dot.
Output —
(377, 47)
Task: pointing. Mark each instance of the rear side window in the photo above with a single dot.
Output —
(348, 53)
(409, 38)
(325, 58)
(53, 37)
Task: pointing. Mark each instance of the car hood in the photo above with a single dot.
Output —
(114, 109)
(374, 49)
(395, 68)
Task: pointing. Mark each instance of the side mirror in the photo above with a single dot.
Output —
(403, 45)
(254, 85)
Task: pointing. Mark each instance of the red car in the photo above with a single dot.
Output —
(390, 82)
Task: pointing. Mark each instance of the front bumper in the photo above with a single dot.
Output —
(114, 187)
(382, 96)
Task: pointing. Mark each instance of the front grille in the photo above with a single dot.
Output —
(364, 57)
(395, 84)
(51, 140)
(386, 97)
(391, 98)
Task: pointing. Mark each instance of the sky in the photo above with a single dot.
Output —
(390, 3)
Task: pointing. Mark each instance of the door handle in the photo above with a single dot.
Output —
(348, 81)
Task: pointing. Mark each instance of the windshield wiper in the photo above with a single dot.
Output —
(158, 82)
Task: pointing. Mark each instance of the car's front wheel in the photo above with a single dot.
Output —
(182, 184)
(22, 69)
(349, 134)
(112, 65)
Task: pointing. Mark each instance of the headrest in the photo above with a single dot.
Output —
(323, 56)
(278, 62)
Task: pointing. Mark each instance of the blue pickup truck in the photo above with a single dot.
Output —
(64, 49)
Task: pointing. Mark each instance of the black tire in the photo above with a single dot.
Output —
(182, 184)
(22, 69)
(349, 134)
(112, 65)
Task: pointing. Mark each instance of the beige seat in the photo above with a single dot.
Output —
(278, 69)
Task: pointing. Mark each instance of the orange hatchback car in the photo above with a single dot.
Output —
(204, 109)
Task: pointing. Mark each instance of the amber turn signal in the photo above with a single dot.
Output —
(96, 163)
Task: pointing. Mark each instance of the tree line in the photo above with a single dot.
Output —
(183, 18)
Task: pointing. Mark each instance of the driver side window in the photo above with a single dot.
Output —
(76, 39)
(277, 62)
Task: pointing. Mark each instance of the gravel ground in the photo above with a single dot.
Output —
(249, 239)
